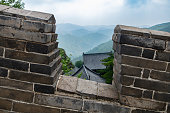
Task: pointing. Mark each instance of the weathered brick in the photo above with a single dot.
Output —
(30, 15)
(163, 56)
(16, 84)
(31, 57)
(13, 64)
(38, 26)
(19, 95)
(30, 77)
(3, 72)
(168, 111)
(165, 97)
(3, 7)
(146, 73)
(148, 53)
(143, 111)
(70, 111)
(130, 71)
(10, 21)
(44, 88)
(101, 107)
(107, 91)
(1, 51)
(90, 89)
(160, 35)
(59, 101)
(12, 43)
(129, 50)
(41, 48)
(5, 104)
(152, 85)
(131, 92)
(4, 111)
(142, 103)
(168, 46)
(168, 68)
(126, 80)
(45, 69)
(25, 35)
(32, 108)
(141, 41)
(147, 94)
(67, 84)
(54, 38)
(159, 75)
(144, 63)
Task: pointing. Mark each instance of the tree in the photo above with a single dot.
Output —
(13, 3)
(108, 72)
(66, 61)
(78, 63)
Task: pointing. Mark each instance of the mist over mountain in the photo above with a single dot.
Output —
(77, 39)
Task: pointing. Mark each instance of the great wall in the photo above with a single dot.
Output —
(31, 79)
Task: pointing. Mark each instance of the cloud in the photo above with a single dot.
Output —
(94, 12)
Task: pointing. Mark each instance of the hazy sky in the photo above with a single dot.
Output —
(104, 12)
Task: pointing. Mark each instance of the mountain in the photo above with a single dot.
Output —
(76, 39)
(162, 27)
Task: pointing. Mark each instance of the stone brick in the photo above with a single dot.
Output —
(144, 63)
(165, 97)
(160, 35)
(45, 69)
(5, 104)
(142, 103)
(10, 21)
(168, 111)
(31, 57)
(141, 41)
(59, 101)
(147, 94)
(131, 92)
(31, 77)
(107, 91)
(131, 30)
(143, 111)
(41, 48)
(146, 73)
(159, 75)
(1, 51)
(44, 88)
(16, 84)
(13, 64)
(130, 71)
(168, 46)
(129, 50)
(126, 80)
(101, 107)
(54, 38)
(25, 35)
(148, 53)
(3, 7)
(19, 95)
(90, 89)
(38, 26)
(32, 108)
(3, 72)
(70, 111)
(168, 68)
(30, 15)
(12, 43)
(152, 85)
(5, 111)
(163, 56)
(67, 84)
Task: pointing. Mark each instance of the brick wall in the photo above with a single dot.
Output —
(142, 68)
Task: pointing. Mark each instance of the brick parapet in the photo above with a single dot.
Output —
(141, 67)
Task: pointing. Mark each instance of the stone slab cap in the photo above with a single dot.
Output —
(122, 29)
(28, 15)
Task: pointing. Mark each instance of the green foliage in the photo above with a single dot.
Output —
(66, 61)
(13, 3)
(79, 75)
(79, 63)
(108, 72)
